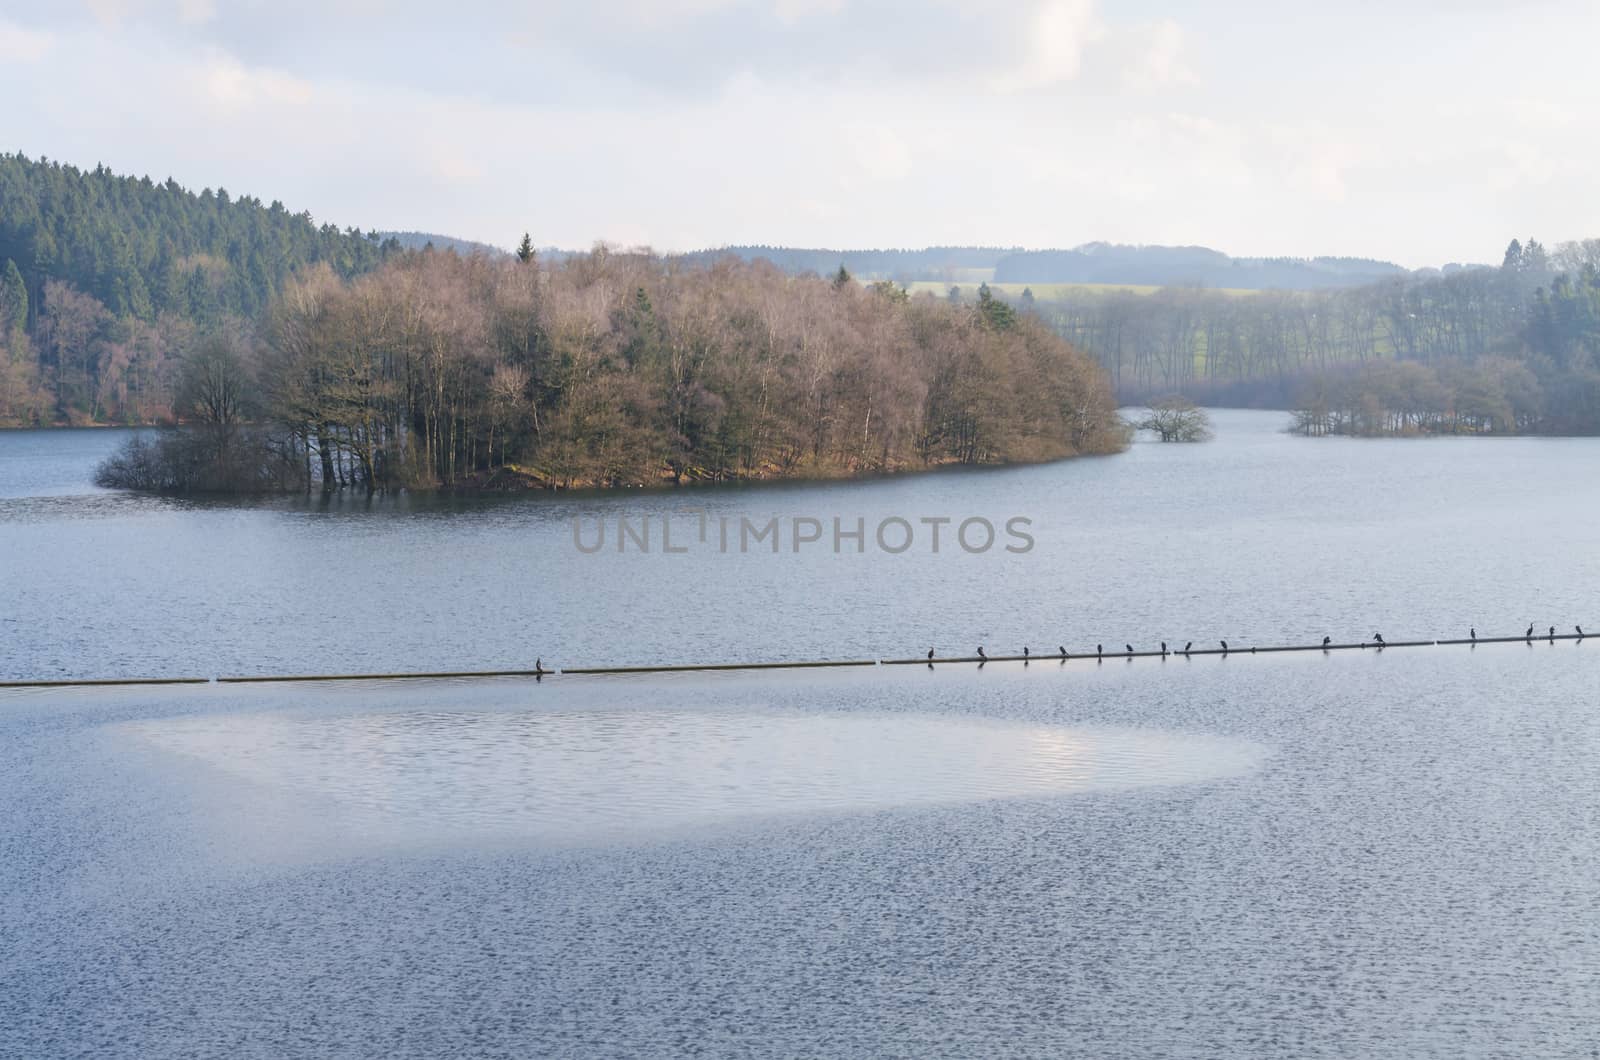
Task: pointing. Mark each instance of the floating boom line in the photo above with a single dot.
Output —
(808, 664)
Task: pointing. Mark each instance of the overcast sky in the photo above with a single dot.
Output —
(1420, 131)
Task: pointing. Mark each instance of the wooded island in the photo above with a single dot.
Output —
(613, 369)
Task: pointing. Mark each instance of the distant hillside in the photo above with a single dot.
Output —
(142, 249)
(1092, 263)
(952, 264)
(108, 282)
(1188, 267)
(465, 247)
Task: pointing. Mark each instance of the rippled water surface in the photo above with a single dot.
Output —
(1367, 853)
(1258, 537)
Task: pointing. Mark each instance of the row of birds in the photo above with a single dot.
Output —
(1099, 649)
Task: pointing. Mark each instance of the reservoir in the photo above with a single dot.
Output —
(1380, 854)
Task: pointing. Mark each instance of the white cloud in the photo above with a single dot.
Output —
(111, 12)
(868, 122)
(456, 168)
(880, 152)
(792, 11)
(1158, 58)
(1057, 34)
(115, 13)
(229, 83)
(196, 12)
(18, 45)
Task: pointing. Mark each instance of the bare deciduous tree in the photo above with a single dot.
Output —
(1176, 419)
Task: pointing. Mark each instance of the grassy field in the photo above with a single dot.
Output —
(1046, 291)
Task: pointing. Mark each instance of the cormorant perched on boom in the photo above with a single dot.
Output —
(1378, 639)
(1099, 651)
(1326, 641)
(1187, 646)
(1063, 649)
(1163, 649)
(1529, 634)
(1474, 632)
(980, 653)
(1552, 633)
(1224, 647)
(930, 655)
(1129, 647)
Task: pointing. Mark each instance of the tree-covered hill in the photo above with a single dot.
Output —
(141, 248)
(1188, 267)
(107, 281)
(1091, 263)
(424, 240)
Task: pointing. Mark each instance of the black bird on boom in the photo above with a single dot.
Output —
(1378, 639)
(1474, 632)
(1187, 646)
(1224, 647)
(1326, 641)
(980, 652)
(1129, 647)
(1552, 633)
(1529, 634)
(1163, 649)
(1025, 654)
(1063, 649)
(1099, 650)
(930, 655)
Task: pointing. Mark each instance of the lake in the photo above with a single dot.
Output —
(1361, 853)
(1257, 538)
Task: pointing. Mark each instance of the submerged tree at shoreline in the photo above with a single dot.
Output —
(612, 369)
(1176, 419)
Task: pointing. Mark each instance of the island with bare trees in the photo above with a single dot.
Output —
(612, 369)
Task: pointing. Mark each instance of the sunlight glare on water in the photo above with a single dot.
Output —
(554, 775)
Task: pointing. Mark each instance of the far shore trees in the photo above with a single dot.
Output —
(1539, 310)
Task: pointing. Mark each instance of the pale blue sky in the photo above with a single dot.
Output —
(1419, 131)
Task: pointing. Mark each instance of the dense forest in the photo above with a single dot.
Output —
(106, 282)
(611, 369)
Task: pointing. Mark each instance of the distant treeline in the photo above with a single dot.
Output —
(1540, 375)
(1187, 267)
(902, 266)
(1538, 309)
(1488, 395)
(613, 369)
(1108, 263)
(424, 240)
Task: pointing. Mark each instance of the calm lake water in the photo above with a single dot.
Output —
(1377, 854)
(1258, 537)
